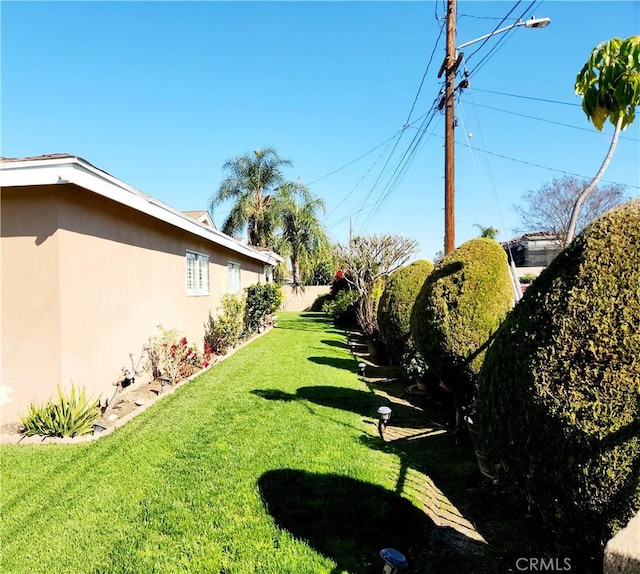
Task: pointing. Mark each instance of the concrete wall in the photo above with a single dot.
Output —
(622, 553)
(299, 300)
(85, 281)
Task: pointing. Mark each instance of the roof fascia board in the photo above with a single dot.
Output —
(76, 171)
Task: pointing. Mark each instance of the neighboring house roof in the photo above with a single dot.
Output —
(535, 236)
(202, 216)
(65, 168)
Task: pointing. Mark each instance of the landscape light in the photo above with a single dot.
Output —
(394, 561)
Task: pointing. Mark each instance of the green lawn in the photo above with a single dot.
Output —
(262, 464)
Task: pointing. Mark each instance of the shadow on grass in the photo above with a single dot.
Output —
(334, 343)
(339, 363)
(346, 520)
(362, 403)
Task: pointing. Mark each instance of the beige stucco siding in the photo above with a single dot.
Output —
(30, 295)
(87, 281)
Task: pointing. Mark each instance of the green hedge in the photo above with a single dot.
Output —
(559, 394)
(396, 303)
(460, 305)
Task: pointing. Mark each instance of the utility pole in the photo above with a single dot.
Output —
(451, 66)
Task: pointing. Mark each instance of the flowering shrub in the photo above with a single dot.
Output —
(173, 357)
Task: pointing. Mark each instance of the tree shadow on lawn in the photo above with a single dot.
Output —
(349, 364)
(363, 403)
(334, 343)
(346, 520)
(504, 522)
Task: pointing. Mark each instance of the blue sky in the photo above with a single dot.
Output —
(161, 94)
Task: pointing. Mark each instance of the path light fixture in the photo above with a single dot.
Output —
(98, 428)
(361, 368)
(163, 382)
(384, 414)
(394, 561)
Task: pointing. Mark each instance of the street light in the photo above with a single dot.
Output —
(451, 62)
(530, 23)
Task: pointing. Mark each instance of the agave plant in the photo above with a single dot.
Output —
(72, 415)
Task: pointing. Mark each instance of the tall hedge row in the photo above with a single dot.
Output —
(559, 392)
(459, 307)
(396, 303)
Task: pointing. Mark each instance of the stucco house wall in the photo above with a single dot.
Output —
(85, 280)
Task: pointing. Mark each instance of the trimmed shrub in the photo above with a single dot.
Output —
(262, 300)
(559, 394)
(396, 303)
(460, 306)
(342, 309)
(320, 301)
(73, 415)
(226, 329)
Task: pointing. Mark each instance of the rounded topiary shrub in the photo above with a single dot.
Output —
(460, 305)
(396, 303)
(559, 391)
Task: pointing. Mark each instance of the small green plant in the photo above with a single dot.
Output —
(171, 356)
(73, 415)
(527, 278)
(226, 329)
(262, 300)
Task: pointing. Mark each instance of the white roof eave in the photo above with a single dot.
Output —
(78, 172)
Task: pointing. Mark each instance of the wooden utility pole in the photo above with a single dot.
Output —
(451, 65)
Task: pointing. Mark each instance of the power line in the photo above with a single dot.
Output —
(489, 36)
(548, 168)
(592, 131)
(499, 43)
(529, 98)
(435, 46)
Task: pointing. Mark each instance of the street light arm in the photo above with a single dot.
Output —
(531, 23)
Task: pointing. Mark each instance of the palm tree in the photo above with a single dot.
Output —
(609, 84)
(302, 234)
(253, 179)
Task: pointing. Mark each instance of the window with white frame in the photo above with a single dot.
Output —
(197, 273)
(268, 273)
(233, 281)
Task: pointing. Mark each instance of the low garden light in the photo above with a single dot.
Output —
(384, 414)
(394, 561)
(98, 428)
(361, 368)
(163, 382)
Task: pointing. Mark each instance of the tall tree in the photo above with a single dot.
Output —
(549, 207)
(302, 235)
(368, 260)
(609, 84)
(252, 181)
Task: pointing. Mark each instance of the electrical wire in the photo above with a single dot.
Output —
(502, 21)
(529, 98)
(592, 131)
(499, 43)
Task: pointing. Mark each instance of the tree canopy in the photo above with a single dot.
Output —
(302, 235)
(609, 84)
(252, 181)
(549, 208)
(368, 260)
